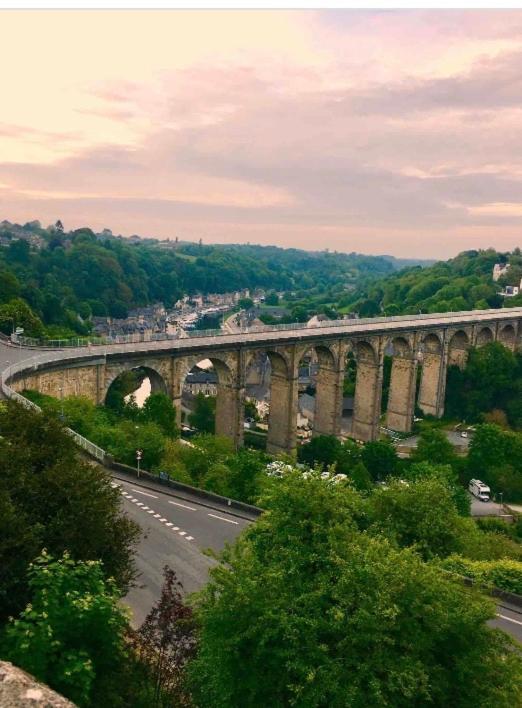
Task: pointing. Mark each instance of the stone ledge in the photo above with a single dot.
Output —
(20, 690)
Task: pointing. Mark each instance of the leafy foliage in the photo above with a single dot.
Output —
(491, 380)
(50, 498)
(203, 417)
(72, 634)
(504, 574)
(163, 646)
(308, 611)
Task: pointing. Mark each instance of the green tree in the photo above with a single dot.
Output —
(321, 450)
(204, 415)
(380, 459)
(158, 409)
(246, 303)
(50, 498)
(72, 634)
(420, 514)
(307, 611)
(17, 313)
(272, 299)
(434, 447)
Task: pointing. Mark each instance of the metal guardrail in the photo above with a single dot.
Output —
(7, 374)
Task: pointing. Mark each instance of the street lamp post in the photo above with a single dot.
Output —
(501, 495)
(139, 454)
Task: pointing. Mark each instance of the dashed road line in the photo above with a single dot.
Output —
(160, 518)
(190, 508)
(222, 518)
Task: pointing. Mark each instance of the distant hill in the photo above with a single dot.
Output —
(461, 283)
(64, 277)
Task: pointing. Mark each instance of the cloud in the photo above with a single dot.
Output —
(354, 131)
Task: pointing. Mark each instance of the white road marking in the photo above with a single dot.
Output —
(144, 507)
(156, 516)
(137, 491)
(182, 533)
(221, 518)
(150, 511)
(509, 619)
(168, 524)
(175, 528)
(134, 500)
(190, 508)
(163, 519)
(189, 538)
(140, 504)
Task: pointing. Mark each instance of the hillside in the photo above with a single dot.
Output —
(461, 283)
(53, 281)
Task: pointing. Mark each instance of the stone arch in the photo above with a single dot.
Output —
(399, 346)
(431, 344)
(319, 401)
(458, 348)
(364, 352)
(157, 381)
(507, 336)
(224, 386)
(278, 363)
(484, 336)
(222, 369)
(325, 355)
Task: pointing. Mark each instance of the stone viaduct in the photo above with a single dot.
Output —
(431, 342)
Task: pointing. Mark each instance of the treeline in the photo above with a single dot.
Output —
(461, 283)
(57, 280)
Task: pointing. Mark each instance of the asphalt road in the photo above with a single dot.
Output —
(177, 533)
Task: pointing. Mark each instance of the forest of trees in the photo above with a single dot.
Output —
(56, 285)
(461, 283)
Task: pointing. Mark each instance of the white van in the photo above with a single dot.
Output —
(479, 490)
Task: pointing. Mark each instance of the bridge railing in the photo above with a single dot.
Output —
(79, 342)
(89, 447)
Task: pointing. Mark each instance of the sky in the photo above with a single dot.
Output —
(392, 132)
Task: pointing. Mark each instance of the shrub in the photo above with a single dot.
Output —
(504, 574)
